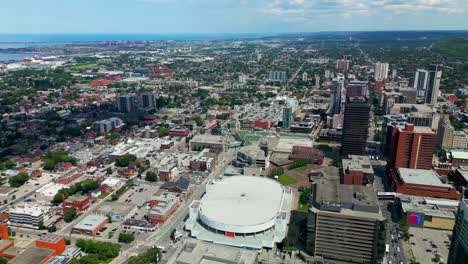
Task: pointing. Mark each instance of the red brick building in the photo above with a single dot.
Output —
(412, 147)
(263, 124)
(167, 173)
(163, 206)
(78, 201)
(179, 132)
(421, 183)
(69, 179)
(314, 156)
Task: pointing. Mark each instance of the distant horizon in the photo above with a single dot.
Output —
(187, 36)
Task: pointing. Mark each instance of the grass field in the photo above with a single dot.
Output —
(286, 180)
(84, 66)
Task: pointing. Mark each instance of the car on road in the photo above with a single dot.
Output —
(398, 249)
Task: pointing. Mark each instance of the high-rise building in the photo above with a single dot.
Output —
(412, 147)
(124, 103)
(432, 91)
(380, 71)
(242, 78)
(148, 100)
(305, 77)
(288, 112)
(317, 80)
(347, 57)
(445, 134)
(421, 79)
(344, 223)
(458, 253)
(337, 96)
(327, 74)
(355, 126)
(357, 88)
(106, 125)
(394, 72)
(342, 65)
(278, 76)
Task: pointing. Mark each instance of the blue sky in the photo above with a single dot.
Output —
(228, 16)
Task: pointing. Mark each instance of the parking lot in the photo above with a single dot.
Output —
(139, 195)
(420, 242)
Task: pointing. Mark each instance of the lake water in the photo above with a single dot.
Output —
(4, 57)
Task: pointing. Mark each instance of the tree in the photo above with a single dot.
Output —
(149, 257)
(3, 260)
(70, 214)
(151, 176)
(124, 161)
(109, 171)
(52, 229)
(304, 197)
(126, 238)
(67, 241)
(18, 180)
(163, 132)
(199, 121)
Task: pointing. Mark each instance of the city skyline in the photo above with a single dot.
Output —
(229, 16)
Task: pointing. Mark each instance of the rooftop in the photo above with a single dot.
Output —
(358, 163)
(197, 252)
(32, 255)
(242, 201)
(459, 154)
(206, 138)
(50, 239)
(90, 222)
(416, 176)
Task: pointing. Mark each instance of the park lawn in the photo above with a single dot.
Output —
(286, 180)
(84, 66)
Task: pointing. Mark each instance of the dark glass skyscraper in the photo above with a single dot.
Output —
(355, 126)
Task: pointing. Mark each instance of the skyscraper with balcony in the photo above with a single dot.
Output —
(125, 103)
(421, 79)
(355, 126)
(412, 147)
(288, 112)
(380, 71)
(148, 100)
(432, 91)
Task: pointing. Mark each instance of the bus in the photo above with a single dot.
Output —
(387, 248)
(386, 195)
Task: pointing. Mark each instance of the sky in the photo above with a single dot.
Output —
(228, 16)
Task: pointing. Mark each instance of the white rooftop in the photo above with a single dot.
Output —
(242, 204)
(426, 177)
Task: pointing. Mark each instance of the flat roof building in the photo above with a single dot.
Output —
(344, 217)
(90, 225)
(26, 216)
(425, 183)
(198, 252)
(116, 211)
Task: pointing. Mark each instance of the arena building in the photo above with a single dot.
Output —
(242, 211)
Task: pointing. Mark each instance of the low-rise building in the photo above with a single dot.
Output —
(424, 213)
(203, 141)
(458, 158)
(139, 225)
(314, 156)
(90, 225)
(198, 252)
(116, 211)
(26, 216)
(421, 183)
(179, 132)
(79, 202)
(162, 206)
(357, 170)
(167, 173)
